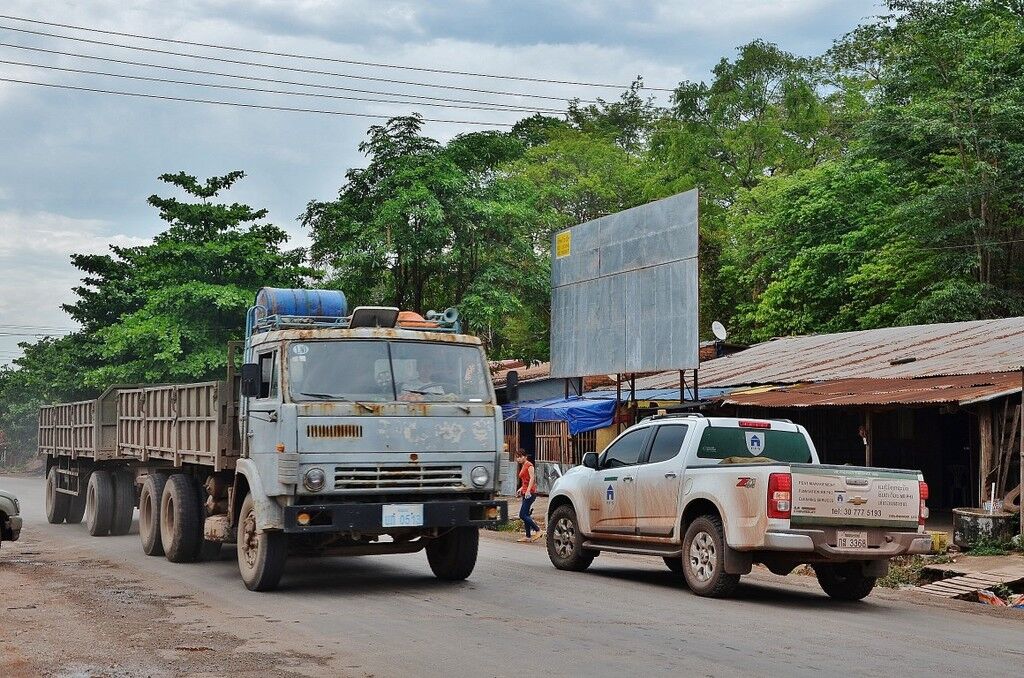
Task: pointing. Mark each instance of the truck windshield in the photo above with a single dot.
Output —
(381, 371)
(720, 442)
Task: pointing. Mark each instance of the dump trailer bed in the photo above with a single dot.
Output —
(179, 424)
(86, 429)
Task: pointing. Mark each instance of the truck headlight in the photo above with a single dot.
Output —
(480, 476)
(314, 480)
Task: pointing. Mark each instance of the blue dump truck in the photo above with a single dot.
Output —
(370, 432)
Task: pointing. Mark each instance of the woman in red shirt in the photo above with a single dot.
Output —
(528, 491)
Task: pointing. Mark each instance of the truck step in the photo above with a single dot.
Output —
(666, 551)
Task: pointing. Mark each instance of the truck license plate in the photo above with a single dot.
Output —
(402, 515)
(851, 540)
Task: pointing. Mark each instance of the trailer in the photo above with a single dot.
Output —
(330, 441)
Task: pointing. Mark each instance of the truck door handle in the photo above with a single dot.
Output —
(627, 479)
(671, 474)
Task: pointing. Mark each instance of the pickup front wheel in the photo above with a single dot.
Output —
(704, 559)
(565, 541)
(844, 581)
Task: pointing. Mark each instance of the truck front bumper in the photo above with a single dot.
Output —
(368, 518)
(884, 544)
(14, 527)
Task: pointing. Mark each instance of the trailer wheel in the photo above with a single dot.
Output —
(181, 520)
(843, 581)
(149, 514)
(704, 559)
(452, 556)
(99, 503)
(76, 508)
(261, 555)
(124, 502)
(57, 503)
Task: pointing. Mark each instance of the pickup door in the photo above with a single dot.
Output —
(658, 482)
(855, 496)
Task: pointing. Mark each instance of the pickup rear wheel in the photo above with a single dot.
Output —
(565, 541)
(704, 559)
(844, 581)
(57, 503)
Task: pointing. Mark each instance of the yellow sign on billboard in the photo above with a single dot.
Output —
(563, 244)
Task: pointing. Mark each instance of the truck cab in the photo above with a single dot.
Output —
(374, 432)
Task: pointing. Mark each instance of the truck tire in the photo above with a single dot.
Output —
(99, 503)
(704, 559)
(76, 508)
(124, 502)
(181, 520)
(261, 555)
(843, 581)
(57, 503)
(452, 556)
(565, 541)
(674, 563)
(149, 514)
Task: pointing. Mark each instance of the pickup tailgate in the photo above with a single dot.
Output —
(855, 495)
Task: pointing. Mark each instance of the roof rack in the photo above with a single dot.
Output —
(674, 415)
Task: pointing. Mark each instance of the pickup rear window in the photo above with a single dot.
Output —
(722, 442)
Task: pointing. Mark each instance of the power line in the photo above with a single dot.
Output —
(181, 69)
(273, 91)
(215, 102)
(295, 69)
(421, 69)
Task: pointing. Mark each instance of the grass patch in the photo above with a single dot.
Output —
(987, 546)
(906, 570)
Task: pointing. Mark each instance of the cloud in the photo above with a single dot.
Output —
(37, 278)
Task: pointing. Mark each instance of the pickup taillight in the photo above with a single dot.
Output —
(923, 513)
(780, 495)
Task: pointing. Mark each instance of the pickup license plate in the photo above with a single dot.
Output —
(851, 540)
(402, 515)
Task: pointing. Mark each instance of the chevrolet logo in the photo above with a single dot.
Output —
(857, 501)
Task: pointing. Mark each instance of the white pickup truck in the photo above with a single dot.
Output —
(714, 495)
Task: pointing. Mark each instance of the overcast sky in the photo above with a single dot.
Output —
(77, 166)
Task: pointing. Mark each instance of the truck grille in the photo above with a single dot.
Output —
(397, 477)
(334, 431)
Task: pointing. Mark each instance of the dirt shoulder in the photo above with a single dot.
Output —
(75, 616)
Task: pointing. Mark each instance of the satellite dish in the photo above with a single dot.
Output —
(718, 329)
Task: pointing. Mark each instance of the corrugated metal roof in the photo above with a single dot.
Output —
(532, 372)
(961, 389)
(975, 347)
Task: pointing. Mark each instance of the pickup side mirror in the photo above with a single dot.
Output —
(590, 460)
(251, 377)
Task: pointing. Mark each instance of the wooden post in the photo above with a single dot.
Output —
(682, 387)
(869, 438)
(984, 450)
(618, 399)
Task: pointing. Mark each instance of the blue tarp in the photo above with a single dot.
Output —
(583, 414)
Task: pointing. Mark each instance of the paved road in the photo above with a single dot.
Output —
(626, 616)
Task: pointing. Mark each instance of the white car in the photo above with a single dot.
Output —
(714, 495)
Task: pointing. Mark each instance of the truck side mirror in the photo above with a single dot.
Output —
(590, 460)
(251, 376)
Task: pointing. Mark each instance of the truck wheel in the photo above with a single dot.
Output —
(452, 556)
(674, 563)
(99, 503)
(843, 581)
(56, 502)
(704, 559)
(124, 502)
(76, 508)
(149, 514)
(565, 541)
(181, 521)
(261, 555)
